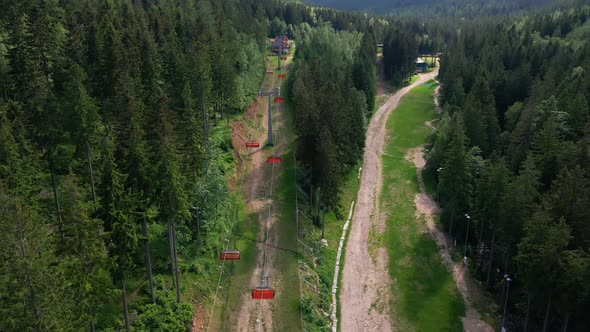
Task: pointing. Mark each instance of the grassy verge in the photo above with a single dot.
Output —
(318, 263)
(286, 316)
(349, 193)
(425, 297)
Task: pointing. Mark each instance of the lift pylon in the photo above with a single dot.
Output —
(269, 92)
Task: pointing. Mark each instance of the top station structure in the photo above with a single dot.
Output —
(280, 45)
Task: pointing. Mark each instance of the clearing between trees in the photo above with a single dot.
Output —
(415, 291)
(269, 217)
(365, 282)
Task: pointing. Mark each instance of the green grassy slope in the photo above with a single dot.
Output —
(424, 293)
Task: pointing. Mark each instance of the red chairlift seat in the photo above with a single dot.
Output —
(279, 99)
(252, 144)
(269, 71)
(274, 160)
(263, 293)
(282, 76)
(229, 255)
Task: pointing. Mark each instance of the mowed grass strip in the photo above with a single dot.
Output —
(424, 294)
(286, 314)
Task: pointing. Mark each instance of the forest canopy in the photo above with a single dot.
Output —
(511, 150)
(115, 150)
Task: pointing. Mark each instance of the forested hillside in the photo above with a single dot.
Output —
(109, 152)
(115, 151)
(333, 93)
(511, 150)
(117, 171)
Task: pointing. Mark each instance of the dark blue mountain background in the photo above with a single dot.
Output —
(461, 8)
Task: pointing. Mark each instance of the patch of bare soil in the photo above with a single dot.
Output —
(238, 138)
(429, 124)
(198, 323)
(427, 207)
(366, 284)
(436, 101)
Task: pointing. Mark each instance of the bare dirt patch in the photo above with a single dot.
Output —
(427, 207)
(366, 284)
(430, 124)
(436, 94)
(198, 323)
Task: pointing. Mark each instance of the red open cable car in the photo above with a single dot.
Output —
(229, 255)
(279, 99)
(252, 144)
(274, 160)
(263, 293)
(269, 71)
(282, 76)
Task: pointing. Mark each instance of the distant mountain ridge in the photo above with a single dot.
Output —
(467, 8)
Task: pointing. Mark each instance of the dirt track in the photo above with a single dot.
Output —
(366, 285)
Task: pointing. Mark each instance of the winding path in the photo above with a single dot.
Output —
(366, 285)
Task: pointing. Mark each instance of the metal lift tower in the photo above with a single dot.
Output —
(270, 92)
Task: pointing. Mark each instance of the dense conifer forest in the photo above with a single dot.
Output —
(115, 151)
(511, 150)
(333, 93)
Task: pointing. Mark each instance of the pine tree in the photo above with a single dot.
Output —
(81, 112)
(579, 114)
(174, 208)
(364, 70)
(84, 253)
(518, 204)
(455, 176)
(28, 271)
(539, 256)
(9, 156)
(118, 223)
